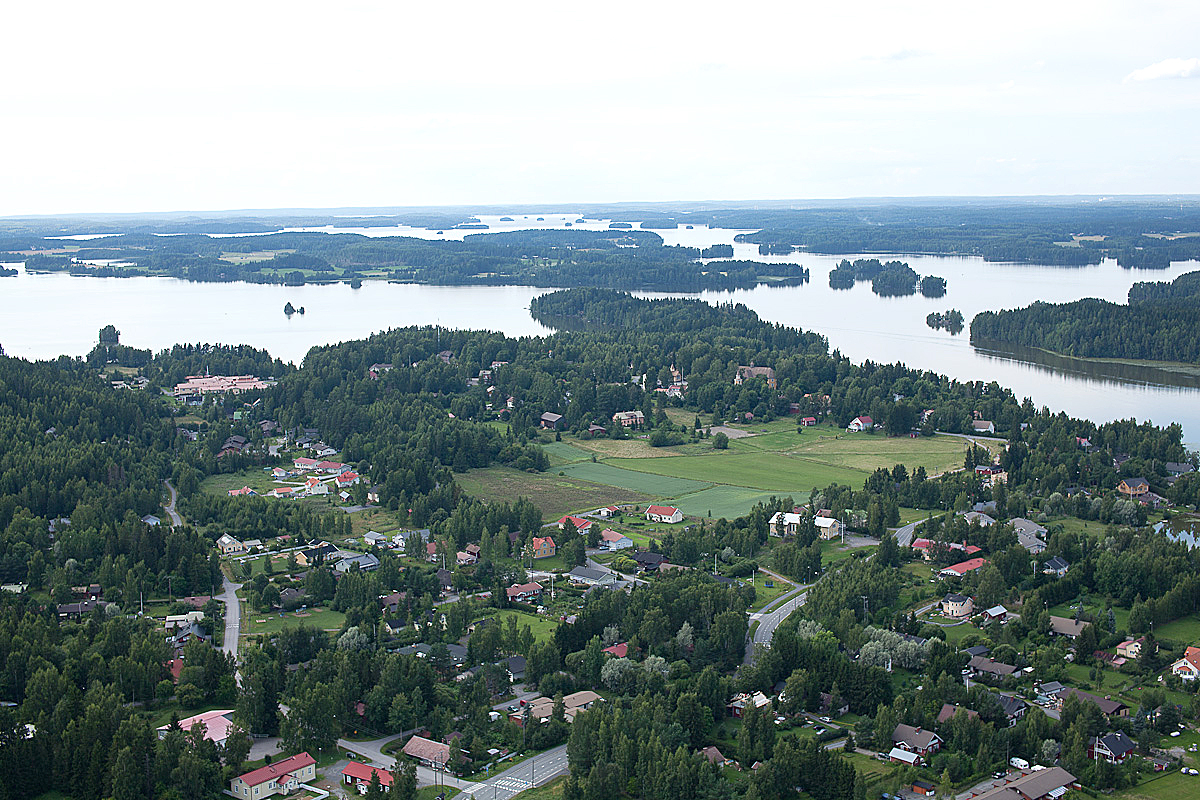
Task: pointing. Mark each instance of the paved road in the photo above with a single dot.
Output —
(772, 615)
(233, 615)
(170, 506)
(904, 536)
(533, 772)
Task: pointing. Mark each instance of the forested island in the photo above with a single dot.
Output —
(619, 258)
(888, 279)
(648, 684)
(1161, 322)
(951, 320)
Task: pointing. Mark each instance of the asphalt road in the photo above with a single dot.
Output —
(771, 616)
(170, 506)
(233, 615)
(904, 536)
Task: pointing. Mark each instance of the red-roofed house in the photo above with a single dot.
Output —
(332, 467)
(428, 752)
(860, 424)
(347, 479)
(359, 776)
(581, 524)
(431, 552)
(618, 650)
(808, 422)
(962, 568)
(245, 491)
(1188, 667)
(524, 592)
(664, 514)
(543, 547)
(927, 547)
(282, 777)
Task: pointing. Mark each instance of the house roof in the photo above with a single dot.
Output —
(538, 541)
(580, 523)
(977, 650)
(216, 724)
(1117, 743)
(619, 650)
(1064, 626)
(949, 710)
(1107, 706)
(955, 598)
(664, 511)
(916, 738)
(990, 666)
(963, 567)
(1191, 655)
(1136, 483)
(996, 611)
(589, 574)
(278, 769)
(1011, 706)
(609, 535)
(427, 750)
(900, 754)
(647, 557)
(1033, 786)
(1058, 563)
(713, 754)
(363, 772)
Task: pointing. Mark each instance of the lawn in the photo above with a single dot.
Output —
(873, 769)
(431, 792)
(763, 471)
(565, 453)
(554, 494)
(1171, 785)
(256, 479)
(541, 627)
(1185, 630)
(656, 485)
(764, 594)
(870, 451)
(551, 791)
(322, 618)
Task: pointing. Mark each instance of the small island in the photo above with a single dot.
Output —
(289, 309)
(888, 279)
(951, 321)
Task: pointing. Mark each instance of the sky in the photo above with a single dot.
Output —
(131, 106)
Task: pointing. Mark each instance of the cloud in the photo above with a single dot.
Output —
(1168, 68)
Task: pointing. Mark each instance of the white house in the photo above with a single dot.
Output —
(827, 527)
(784, 523)
(1188, 667)
(614, 540)
(664, 514)
(860, 424)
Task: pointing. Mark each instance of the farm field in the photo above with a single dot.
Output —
(554, 494)
(763, 471)
(726, 501)
(663, 485)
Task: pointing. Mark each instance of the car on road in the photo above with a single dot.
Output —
(825, 719)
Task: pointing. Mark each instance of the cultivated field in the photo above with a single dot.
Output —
(766, 471)
(554, 494)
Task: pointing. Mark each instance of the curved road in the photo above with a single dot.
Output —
(170, 506)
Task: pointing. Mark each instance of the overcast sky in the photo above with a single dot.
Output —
(168, 106)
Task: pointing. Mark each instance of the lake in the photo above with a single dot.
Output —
(50, 314)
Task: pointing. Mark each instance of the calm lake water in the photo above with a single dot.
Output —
(47, 315)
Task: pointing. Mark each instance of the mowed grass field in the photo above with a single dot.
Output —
(729, 502)
(554, 494)
(765, 471)
(657, 485)
(324, 619)
(1172, 785)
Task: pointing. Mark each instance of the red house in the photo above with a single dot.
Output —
(359, 776)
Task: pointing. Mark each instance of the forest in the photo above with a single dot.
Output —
(1160, 323)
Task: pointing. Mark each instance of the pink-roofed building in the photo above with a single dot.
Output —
(614, 540)
(218, 384)
(245, 491)
(216, 724)
(543, 547)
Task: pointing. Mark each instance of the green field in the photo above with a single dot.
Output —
(541, 627)
(551, 791)
(1185, 630)
(272, 623)
(564, 453)
(554, 494)
(767, 471)
(726, 501)
(651, 484)
(1171, 785)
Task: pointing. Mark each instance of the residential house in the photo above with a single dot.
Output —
(1064, 626)
(540, 709)
(347, 479)
(740, 702)
(990, 668)
(1044, 784)
(1030, 535)
(1177, 468)
(713, 756)
(80, 609)
(983, 520)
(629, 419)
(1107, 705)
(784, 524)
(315, 554)
(1013, 708)
(1131, 648)
(551, 421)
(1056, 566)
(1188, 667)
(365, 562)
(515, 667)
(668, 514)
(305, 464)
(827, 527)
(614, 540)
(859, 424)
(375, 539)
(618, 650)
(962, 568)
(543, 547)
(949, 710)
(929, 547)
(608, 512)
(228, 545)
(957, 605)
(465, 559)
(215, 725)
(751, 372)
(174, 621)
(826, 706)
(431, 554)
(524, 592)
(983, 426)
(287, 492)
(373, 494)
(649, 562)
(995, 613)
(332, 467)
(427, 752)
(359, 775)
(445, 579)
(901, 756)
(314, 487)
(581, 524)
(916, 740)
(282, 777)
(808, 422)
(591, 577)
(1134, 488)
(1111, 747)
(924, 788)
(391, 603)
(151, 520)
